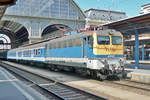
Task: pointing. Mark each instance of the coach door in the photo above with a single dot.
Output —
(85, 47)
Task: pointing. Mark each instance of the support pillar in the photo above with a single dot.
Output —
(136, 49)
(143, 52)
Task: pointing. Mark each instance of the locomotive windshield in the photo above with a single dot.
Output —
(103, 40)
(116, 40)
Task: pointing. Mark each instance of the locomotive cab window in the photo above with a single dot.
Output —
(103, 40)
(116, 40)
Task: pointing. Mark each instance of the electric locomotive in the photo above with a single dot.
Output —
(96, 53)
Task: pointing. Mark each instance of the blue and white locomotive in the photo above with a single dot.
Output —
(96, 53)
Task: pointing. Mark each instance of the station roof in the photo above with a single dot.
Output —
(132, 26)
(4, 4)
(7, 2)
(142, 40)
(17, 32)
(14, 30)
(2, 10)
(127, 26)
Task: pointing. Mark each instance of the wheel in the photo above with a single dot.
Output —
(93, 74)
(100, 76)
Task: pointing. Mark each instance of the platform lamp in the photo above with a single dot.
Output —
(7, 2)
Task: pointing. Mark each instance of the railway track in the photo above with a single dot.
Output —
(131, 84)
(134, 84)
(57, 90)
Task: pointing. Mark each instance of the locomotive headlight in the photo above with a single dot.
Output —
(121, 59)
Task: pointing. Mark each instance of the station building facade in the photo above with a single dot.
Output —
(145, 9)
(99, 17)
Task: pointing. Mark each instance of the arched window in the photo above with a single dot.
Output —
(5, 42)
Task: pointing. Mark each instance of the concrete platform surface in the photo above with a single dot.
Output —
(13, 89)
(139, 75)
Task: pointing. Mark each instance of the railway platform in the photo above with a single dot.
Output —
(139, 75)
(13, 89)
(140, 62)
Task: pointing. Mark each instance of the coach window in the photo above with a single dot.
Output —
(54, 45)
(34, 52)
(75, 42)
(30, 52)
(39, 51)
(70, 43)
(61, 44)
(64, 44)
(67, 43)
(49, 46)
(78, 42)
(26, 52)
(58, 44)
(23, 53)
